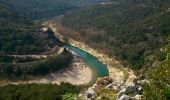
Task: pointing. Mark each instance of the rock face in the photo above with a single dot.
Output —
(115, 85)
(135, 88)
(123, 90)
(104, 81)
(131, 89)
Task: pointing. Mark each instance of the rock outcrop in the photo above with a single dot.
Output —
(90, 94)
(124, 97)
(135, 89)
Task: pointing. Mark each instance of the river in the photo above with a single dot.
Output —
(98, 67)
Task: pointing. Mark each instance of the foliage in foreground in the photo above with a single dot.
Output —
(159, 86)
(37, 91)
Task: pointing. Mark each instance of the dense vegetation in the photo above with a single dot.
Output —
(19, 35)
(27, 70)
(38, 9)
(133, 31)
(158, 88)
(38, 92)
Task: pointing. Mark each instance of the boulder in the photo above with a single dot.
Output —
(138, 97)
(132, 98)
(124, 97)
(120, 93)
(104, 81)
(90, 93)
(131, 89)
(116, 88)
(109, 87)
(139, 88)
(142, 82)
(81, 94)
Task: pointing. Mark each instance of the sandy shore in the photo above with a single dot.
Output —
(77, 73)
(74, 74)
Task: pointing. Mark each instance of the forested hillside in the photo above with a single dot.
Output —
(20, 36)
(38, 9)
(133, 31)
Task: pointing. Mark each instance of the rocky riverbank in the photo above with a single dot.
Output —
(116, 73)
(118, 85)
(122, 78)
(116, 69)
(114, 90)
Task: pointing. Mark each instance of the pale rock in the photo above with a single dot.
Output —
(138, 97)
(120, 93)
(90, 93)
(124, 97)
(142, 82)
(109, 87)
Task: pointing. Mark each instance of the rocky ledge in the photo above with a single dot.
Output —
(123, 92)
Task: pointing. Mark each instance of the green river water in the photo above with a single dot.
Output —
(98, 67)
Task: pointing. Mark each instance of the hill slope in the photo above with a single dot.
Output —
(158, 88)
(38, 9)
(18, 34)
(131, 30)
